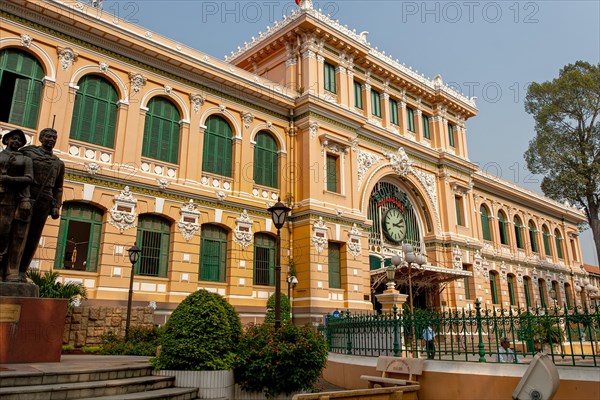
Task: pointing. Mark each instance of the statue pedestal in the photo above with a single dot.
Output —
(389, 298)
(31, 329)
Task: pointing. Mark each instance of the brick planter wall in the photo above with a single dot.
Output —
(85, 326)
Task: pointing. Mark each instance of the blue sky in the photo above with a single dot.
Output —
(487, 49)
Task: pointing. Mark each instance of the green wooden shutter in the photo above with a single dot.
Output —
(541, 292)
(358, 95)
(426, 133)
(334, 265)
(511, 290)
(485, 223)
(493, 288)
(458, 206)
(165, 244)
(213, 254)
(375, 103)
(518, 233)
(558, 242)
(266, 160)
(532, 238)
(94, 247)
(393, 112)
(332, 176)
(527, 294)
(61, 242)
(502, 228)
(546, 241)
(19, 103)
(161, 131)
(410, 118)
(451, 135)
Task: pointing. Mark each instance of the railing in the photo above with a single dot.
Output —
(568, 335)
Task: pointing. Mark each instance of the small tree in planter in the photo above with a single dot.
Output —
(285, 309)
(201, 335)
(287, 360)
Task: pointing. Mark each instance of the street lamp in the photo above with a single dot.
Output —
(292, 281)
(134, 255)
(279, 213)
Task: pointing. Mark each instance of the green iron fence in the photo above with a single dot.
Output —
(568, 335)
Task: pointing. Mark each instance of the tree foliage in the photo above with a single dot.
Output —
(566, 148)
(50, 288)
(285, 309)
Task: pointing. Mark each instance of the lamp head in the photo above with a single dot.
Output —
(390, 273)
(278, 213)
(410, 257)
(134, 253)
(294, 281)
(396, 260)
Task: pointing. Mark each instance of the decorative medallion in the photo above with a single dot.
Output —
(26, 40)
(123, 213)
(92, 168)
(353, 244)
(137, 81)
(319, 237)
(103, 67)
(503, 271)
(188, 223)
(247, 117)
(67, 57)
(197, 100)
(162, 183)
(457, 258)
(400, 162)
(221, 195)
(313, 128)
(242, 234)
(168, 90)
(365, 161)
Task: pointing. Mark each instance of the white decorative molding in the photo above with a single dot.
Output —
(353, 244)
(519, 274)
(313, 128)
(221, 195)
(222, 108)
(197, 100)
(67, 57)
(137, 81)
(188, 223)
(162, 183)
(478, 262)
(247, 118)
(168, 90)
(399, 162)
(92, 168)
(457, 258)
(242, 233)
(26, 40)
(319, 236)
(123, 213)
(503, 271)
(103, 67)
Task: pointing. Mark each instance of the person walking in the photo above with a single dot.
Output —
(428, 339)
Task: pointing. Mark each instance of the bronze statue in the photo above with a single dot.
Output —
(16, 174)
(46, 191)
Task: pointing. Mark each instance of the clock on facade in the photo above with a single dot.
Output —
(394, 225)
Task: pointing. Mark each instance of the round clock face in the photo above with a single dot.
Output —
(394, 225)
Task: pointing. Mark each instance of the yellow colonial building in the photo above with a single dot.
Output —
(183, 153)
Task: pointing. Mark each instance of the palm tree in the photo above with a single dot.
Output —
(50, 288)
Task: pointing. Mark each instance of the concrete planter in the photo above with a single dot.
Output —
(210, 384)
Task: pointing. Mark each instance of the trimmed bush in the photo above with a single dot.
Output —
(142, 342)
(287, 360)
(285, 309)
(201, 335)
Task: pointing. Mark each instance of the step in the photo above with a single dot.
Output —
(169, 393)
(9, 378)
(78, 390)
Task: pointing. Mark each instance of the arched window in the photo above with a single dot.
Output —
(533, 237)
(264, 259)
(485, 223)
(20, 88)
(154, 238)
(542, 292)
(79, 237)
(266, 160)
(527, 290)
(217, 150)
(546, 237)
(511, 289)
(518, 233)
(213, 253)
(558, 241)
(161, 131)
(557, 300)
(95, 112)
(494, 287)
(502, 222)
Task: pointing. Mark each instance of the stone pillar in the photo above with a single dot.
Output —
(389, 298)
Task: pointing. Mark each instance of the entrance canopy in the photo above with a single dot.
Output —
(425, 276)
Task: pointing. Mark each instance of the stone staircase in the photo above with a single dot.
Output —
(105, 383)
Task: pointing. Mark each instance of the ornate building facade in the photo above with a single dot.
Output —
(183, 153)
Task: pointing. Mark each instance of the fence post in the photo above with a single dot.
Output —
(479, 329)
(396, 344)
(349, 336)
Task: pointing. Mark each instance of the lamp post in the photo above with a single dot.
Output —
(411, 258)
(134, 255)
(292, 281)
(279, 213)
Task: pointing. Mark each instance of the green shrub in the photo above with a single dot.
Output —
(273, 361)
(142, 342)
(91, 349)
(285, 309)
(201, 334)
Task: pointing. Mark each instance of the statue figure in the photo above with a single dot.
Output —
(46, 191)
(16, 174)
